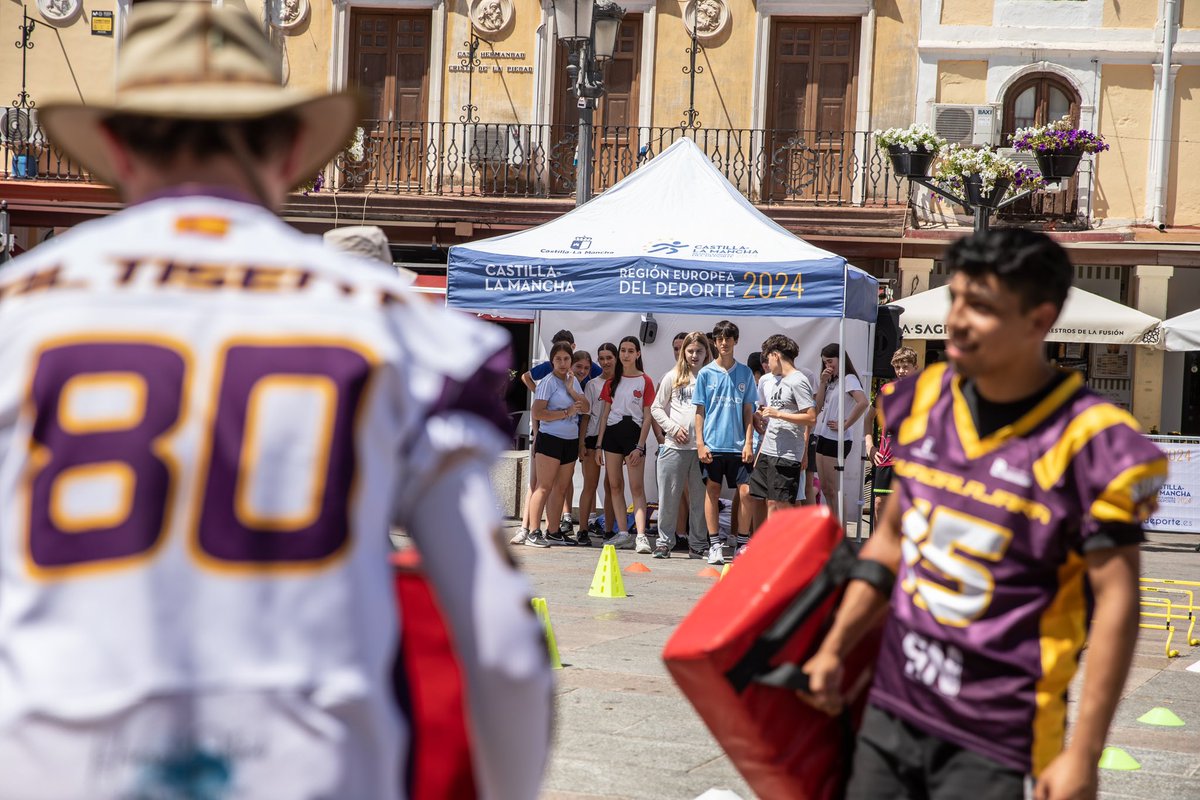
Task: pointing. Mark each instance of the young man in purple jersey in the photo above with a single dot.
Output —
(1015, 489)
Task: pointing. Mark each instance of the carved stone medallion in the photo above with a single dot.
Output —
(59, 10)
(708, 17)
(491, 17)
(287, 14)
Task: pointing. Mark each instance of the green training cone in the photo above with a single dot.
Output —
(607, 580)
(1163, 717)
(1115, 758)
(543, 615)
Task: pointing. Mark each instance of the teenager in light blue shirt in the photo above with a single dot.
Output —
(724, 398)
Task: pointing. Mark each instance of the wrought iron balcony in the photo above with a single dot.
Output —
(532, 161)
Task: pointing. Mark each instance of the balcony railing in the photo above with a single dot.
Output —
(501, 160)
(539, 161)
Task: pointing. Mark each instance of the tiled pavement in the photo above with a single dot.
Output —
(625, 731)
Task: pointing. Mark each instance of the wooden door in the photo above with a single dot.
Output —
(389, 57)
(813, 76)
(617, 116)
(615, 138)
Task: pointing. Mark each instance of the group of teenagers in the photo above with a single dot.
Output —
(765, 429)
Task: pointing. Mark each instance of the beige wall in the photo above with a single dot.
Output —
(1126, 99)
(501, 96)
(66, 62)
(725, 89)
(1183, 207)
(894, 94)
(967, 12)
(962, 82)
(1130, 13)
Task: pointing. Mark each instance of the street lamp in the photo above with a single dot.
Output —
(589, 30)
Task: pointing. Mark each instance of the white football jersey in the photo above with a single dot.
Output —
(208, 422)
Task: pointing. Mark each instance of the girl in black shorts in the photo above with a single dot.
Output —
(557, 404)
(624, 427)
(589, 428)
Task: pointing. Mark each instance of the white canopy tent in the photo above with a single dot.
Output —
(1182, 332)
(674, 240)
(1085, 317)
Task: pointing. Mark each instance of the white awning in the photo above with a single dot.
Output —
(1085, 317)
(1182, 332)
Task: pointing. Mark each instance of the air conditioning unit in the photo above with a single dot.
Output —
(20, 126)
(966, 125)
(498, 144)
(1029, 161)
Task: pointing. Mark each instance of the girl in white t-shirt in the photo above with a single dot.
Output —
(624, 427)
(589, 428)
(830, 434)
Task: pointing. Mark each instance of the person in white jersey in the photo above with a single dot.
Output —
(832, 434)
(208, 421)
(680, 478)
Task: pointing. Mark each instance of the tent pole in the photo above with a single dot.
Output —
(841, 450)
(870, 382)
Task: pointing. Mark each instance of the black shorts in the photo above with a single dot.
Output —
(622, 438)
(727, 468)
(895, 759)
(881, 479)
(828, 447)
(589, 442)
(565, 450)
(775, 479)
(811, 466)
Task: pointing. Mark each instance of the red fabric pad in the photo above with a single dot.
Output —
(783, 747)
(440, 754)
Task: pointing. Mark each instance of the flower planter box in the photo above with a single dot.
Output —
(910, 163)
(976, 196)
(1059, 166)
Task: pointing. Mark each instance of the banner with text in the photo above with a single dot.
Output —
(1179, 499)
(483, 281)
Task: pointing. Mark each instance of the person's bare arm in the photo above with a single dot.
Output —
(702, 451)
(806, 418)
(748, 426)
(1113, 574)
(527, 379)
(861, 610)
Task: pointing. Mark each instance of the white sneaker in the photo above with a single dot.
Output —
(716, 554)
(522, 534)
(643, 544)
(622, 541)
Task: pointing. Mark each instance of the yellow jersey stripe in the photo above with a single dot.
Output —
(1119, 502)
(975, 447)
(1062, 631)
(925, 394)
(1053, 464)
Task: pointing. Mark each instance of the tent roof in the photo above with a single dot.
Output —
(1182, 332)
(1085, 317)
(676, 211)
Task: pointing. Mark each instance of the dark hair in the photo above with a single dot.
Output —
(754, 362)
(564, 336)
(619, 369)
(581, 355)
(831, 350)
(725, 330)
(1027, 263)
(784, 345)
(678, 336)
(562, 347)
(161, 140)
(611, 348)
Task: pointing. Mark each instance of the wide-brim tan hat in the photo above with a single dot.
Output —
(191, 60)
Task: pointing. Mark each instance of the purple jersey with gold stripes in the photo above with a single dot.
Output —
(989, 611)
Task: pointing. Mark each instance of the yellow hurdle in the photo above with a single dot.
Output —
(1189, 616)
(1160, 602)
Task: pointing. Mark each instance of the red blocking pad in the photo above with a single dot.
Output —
(789, 579)
(432, 689)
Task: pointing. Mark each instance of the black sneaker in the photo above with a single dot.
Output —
(565, 526)
(662, 551)
(582, 539)
(697, 553)
(560, 538)
(536, 539)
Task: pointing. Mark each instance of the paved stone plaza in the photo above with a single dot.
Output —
(625, 731)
